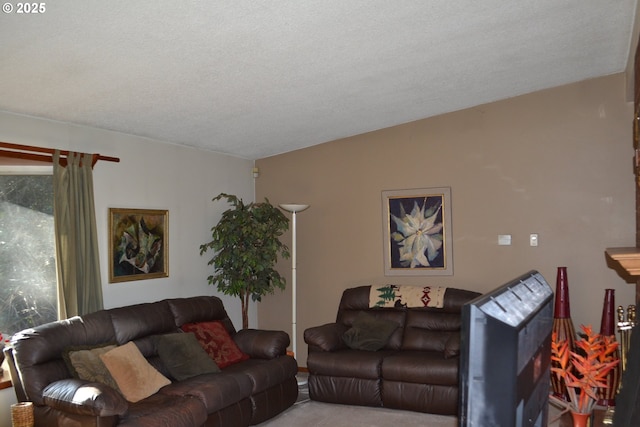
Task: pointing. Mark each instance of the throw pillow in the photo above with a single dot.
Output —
(368, 332)
(85, 363)
(217, 342)
(136, 378)
(183, 356)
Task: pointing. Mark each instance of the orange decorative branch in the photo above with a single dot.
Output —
(585, 370)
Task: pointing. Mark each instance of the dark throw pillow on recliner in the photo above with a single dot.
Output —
(183, 356)
(368, 332)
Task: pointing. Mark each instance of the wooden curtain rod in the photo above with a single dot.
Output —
(18, 151)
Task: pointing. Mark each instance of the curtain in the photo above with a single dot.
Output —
(78, 264)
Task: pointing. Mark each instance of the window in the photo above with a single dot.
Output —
(27, 249)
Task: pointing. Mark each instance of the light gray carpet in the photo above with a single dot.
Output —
(316, 414)
(309, 413)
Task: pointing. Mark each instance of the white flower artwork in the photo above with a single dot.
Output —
(417, 231)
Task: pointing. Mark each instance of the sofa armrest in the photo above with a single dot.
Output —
(84, 398)
(262, 344)
(327, 337)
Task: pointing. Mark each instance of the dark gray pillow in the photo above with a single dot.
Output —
(368, 332)
(183, 356)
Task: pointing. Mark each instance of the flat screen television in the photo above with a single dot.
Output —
(505, 355)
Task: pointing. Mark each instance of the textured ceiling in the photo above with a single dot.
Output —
(256, 78)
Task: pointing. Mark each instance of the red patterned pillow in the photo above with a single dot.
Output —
(217, 342)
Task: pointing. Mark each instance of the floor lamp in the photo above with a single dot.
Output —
(294, 209)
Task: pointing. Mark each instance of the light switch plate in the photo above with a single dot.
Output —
(504, 239)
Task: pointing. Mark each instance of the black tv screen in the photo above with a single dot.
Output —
(505, 355)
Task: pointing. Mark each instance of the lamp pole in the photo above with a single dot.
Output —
(294, 209)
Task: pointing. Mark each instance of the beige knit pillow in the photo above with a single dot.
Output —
(135, 377)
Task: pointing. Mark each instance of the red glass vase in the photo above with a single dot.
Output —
(562, 326)
(607, 396)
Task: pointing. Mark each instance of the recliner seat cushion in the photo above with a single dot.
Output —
(216, 391)
(345, 390)
(348, 363)
(423, 367)
(265, 374)
(429, 398)
(165, 410)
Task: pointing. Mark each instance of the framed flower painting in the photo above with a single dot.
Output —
(417, 232)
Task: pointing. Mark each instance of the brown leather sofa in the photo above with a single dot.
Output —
(242, 394)
(416, 369)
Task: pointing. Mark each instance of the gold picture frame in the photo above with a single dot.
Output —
(417, 232)
(138, 244)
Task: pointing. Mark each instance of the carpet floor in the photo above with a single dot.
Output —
(317, 414)
(309, 413)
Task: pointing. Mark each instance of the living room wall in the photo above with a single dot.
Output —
(151, 174)
(556, 162)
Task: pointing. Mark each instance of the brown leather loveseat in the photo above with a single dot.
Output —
(415, 369)
(258, 385)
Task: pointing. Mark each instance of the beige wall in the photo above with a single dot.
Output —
(556, 162)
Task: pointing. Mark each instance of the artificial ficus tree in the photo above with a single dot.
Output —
(246, 245)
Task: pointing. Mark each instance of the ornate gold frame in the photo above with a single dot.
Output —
(138, 244)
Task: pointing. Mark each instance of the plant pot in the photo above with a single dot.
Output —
(580, 419)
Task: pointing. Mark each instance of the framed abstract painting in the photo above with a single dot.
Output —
(417, 232)
(138, 244)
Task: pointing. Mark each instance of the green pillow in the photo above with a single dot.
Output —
(183, 356)
(368, 332)
(85, 363)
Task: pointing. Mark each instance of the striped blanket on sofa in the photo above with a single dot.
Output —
(406, 296)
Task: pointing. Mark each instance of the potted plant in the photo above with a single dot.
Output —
(585, 370)
(246, 242)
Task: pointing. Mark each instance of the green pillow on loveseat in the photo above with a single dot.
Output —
(368, 332)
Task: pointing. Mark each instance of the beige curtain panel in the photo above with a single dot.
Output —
(78, 264)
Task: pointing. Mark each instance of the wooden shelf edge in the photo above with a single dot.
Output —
(5, 377)
(5, 380)
(627, 258)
